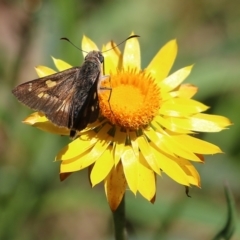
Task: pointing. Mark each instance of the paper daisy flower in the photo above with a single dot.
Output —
(147, 125)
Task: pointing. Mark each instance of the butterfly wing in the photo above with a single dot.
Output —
(51, 95)
(68, 98)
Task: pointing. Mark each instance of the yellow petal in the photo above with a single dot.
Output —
(177, 107)
(88, 157)
(159, 123)
(156, 125)
(175, 79)
(187, 90)
(130, 168)
(109, 65)
(102, 167)
(77, 147)
(170, 125)
(157, 139)
(99, 148)
(119, 139)
(104, 140)
(161, 64)
(176, 148)
(76, 164)
(192, 174)
(34, 118)
(38, 120)
(60, 64)
(170, 167)
(115, 186)
(209, 123)
(134, 143)
(166, 96)
(114, 50)
(146, 182)
(88, 45)
(131, 54)
(194, 178)
(175, 123)
(111, 58)
(43, 71)
(160, 141)
(95, 124)
(197, 145)
(147, 153)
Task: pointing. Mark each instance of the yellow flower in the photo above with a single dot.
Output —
(146, 128)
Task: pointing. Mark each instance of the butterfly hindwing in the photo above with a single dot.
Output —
(88, 111)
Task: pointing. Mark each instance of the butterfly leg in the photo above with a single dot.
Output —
(110, 89)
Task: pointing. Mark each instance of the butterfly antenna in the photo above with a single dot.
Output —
(132, 36)
(66, 39)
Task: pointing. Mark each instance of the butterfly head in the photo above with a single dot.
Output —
(95, 55)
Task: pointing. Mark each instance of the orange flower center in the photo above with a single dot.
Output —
(132, 101)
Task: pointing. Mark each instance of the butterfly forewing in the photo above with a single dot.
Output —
(68, 98)
(51, 95)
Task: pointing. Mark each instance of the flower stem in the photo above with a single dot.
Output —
(120, 222)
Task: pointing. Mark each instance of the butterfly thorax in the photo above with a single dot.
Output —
(95, 55)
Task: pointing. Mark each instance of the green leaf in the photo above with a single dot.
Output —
(228, 229)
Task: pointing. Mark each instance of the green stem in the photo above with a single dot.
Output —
(120, 222)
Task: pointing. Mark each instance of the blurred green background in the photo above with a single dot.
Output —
(34, 204)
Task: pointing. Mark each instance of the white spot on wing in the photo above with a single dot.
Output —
(40, 94)
(45, 95)
(50, 83)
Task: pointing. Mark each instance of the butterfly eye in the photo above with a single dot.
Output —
(100, 57)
